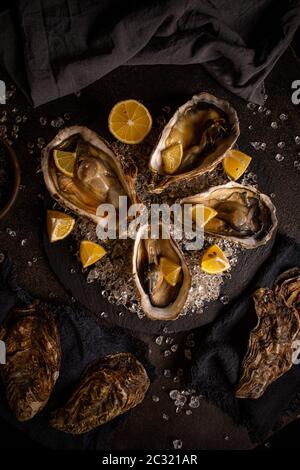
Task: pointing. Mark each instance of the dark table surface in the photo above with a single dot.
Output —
(156, 86)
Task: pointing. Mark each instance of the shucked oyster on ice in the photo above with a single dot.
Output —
(32, 359)
(160, 300)
(108, 388)
(98, 175)
(270, 348)
(206, 127)
(244, 215)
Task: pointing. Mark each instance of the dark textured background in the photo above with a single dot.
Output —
(157, 86)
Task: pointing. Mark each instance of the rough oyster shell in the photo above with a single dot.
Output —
(90, 187)
(196, 124)
(159, 300)
(32, 359)
(287, 288)
(109, 387)
(246, 216)
(270, 348)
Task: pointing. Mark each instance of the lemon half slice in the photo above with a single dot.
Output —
(59, 225)
(129, 121)
(214, 260)
(170, 270)
(236, 163)
(65, 161)
(90, 253)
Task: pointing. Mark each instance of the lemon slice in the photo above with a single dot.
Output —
(170, 270)
(129, 121)
(236, 163)
(65, 161)
(59, 225)
(90, 253)
(214, 261)
(171, 157)
(203, 213)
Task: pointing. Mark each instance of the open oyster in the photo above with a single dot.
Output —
(270, 348)
(98, 175)
(206, 127)
(32, 359)
(108, 388)
(161, 299)
(244, 215)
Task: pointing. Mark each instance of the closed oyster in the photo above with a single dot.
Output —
(270, 349)
(160, 300)
(244, 215)
(32, 359)
(287, 288)
(206, 127)
(98, 175)
(109, 387)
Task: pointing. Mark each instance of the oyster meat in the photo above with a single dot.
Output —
(270, 348)
(98, 175)
(109, 387)
(32, 359)
(244, 215)
(160, 300)
(206, 127)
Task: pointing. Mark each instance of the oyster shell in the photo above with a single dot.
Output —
(109, 387)
(245, 215)
(206, 127)
(270, 348)
(287, 288)
(159, 299)
(98, 175)
(32, 359)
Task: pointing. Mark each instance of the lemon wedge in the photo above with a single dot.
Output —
(170, 270)
(65, 161)
(172, 157)
(90, 253)
(129, 121)
(214, 260)
(236, 163)
(203, 213)
(59, 225)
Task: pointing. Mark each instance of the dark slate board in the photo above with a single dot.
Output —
(59, 255)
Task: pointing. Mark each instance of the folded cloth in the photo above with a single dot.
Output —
(82, 342)
(216, 367)
(66, 45)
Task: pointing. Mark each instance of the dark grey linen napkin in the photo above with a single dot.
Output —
(82, 342)
(56, 47)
